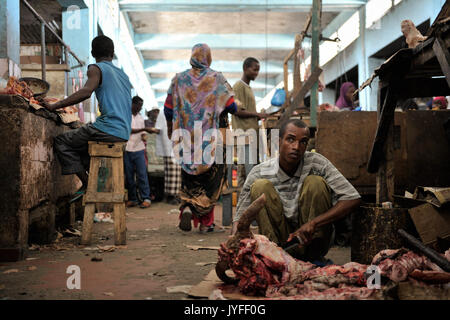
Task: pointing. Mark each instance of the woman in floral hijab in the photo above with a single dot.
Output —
(197, 104)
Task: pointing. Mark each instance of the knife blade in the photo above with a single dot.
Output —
(292, 244)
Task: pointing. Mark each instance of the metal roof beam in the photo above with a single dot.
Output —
(169, 66)
(215, 41)
(236, 5)
(258, 84)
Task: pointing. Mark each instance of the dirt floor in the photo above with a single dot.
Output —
(155, 258)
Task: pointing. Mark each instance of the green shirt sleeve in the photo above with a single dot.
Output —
(239, 94)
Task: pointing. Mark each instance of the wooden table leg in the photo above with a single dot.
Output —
(88, 221)
(120, 231)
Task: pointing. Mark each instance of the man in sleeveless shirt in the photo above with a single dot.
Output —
(113, 91)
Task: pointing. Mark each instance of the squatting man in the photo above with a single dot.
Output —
(304, 192)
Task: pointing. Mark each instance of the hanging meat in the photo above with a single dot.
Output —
(412, 35)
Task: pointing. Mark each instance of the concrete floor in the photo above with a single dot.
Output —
(155, 258)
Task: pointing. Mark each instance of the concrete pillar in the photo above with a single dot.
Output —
(372, 91)
(363, 75)
(327, 96)
(79, 28)
(9, 38)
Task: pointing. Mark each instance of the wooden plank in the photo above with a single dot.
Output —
(118, 176)
(72, 214)
(443, 14)
(315, 53)
(88, 221)
(286, 85)
(298, 44)
(384, 123)
(423, 53)
(105, 184)
(120, 236)
(120, 231)
(93, 175)
(103, 197)
(428, 154)
(385, 187)
(104, 149)
(443, 56)
(297, 78)
(298, 100)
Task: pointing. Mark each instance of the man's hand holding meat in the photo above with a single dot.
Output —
(305, 194)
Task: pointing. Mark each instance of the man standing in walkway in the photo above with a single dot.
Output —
(134, 158)
(247, 118)
(172, 170)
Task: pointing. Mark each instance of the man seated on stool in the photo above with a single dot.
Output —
(304, 192)
(113, 91)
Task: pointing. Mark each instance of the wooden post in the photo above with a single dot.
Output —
(298, 100)
(297, 79)
(43, 62)
(385, 174)
(298, 83)
(119, 208)
(89, 208)
(316, 21)
(286, 77)
(443, 56)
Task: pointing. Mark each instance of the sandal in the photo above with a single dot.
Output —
(211, 229)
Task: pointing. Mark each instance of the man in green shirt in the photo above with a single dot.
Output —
(247, 118)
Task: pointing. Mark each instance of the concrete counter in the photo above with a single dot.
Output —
(31, 180)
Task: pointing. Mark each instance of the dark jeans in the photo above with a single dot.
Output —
(72, 147)
(134, 163)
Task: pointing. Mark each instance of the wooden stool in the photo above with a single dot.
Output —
(98, 150)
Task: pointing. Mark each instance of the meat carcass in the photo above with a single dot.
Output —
(398, 264)
(412, 35)
(260, 263)
(264, 269)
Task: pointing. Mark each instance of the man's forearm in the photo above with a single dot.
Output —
(234, 227)
(73, 99)
(137, 130)
(147, 129)
(340, 210)
(246, 114)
